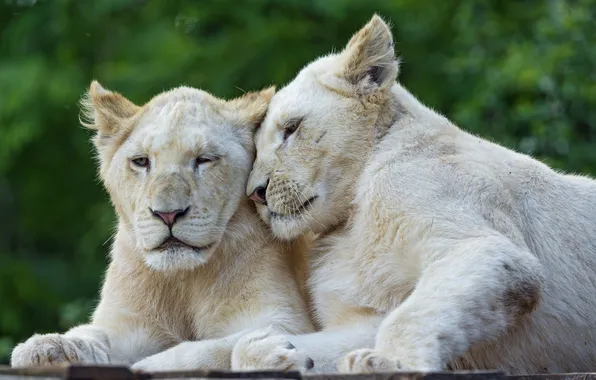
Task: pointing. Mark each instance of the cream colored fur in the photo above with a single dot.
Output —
(193, 300)
(438, 249)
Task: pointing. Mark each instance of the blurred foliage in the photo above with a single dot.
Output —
(518, 72)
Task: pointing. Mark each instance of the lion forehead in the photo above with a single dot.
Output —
(187, 126)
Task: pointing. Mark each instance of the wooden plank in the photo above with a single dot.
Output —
(93, 372)
(54, 372)
(198, 374)
(467, 375)
(556, 376)
(90, 372)
(82, 372)
(100, 372)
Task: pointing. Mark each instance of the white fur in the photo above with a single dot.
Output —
(176, 307)
(475, 256)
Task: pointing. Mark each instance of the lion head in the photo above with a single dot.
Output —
(175, 168)
(318, 133)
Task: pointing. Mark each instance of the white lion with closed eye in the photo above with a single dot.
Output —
(192, 268)
(438, 249)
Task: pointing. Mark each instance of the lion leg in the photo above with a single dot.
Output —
(124, 342)
(315, 352)
(225, 354)
(82, 344)
(203, 354)
(470, 294)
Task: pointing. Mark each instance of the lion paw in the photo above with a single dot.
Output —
(267, 349)
(55, 350)
(368, 361)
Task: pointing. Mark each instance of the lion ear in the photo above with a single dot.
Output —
(105, 111)
(368, 61)
(250, 109)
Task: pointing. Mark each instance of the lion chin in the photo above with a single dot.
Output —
(173, 254)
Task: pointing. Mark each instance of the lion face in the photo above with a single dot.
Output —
(175, 168)
(318, 132)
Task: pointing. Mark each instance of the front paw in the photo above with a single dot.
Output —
(55, 350)
(266, 349)
(368, 361)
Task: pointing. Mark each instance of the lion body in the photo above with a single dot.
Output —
(438, 249)
(439, 209)
(181, 305)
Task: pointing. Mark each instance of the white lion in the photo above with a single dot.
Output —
(191, 260)
(438, 249)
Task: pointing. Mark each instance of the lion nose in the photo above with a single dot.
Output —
(259, 195)
(169, 217)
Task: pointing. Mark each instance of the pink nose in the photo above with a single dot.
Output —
(169, 217)
(259, 195)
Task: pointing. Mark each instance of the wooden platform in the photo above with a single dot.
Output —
(123, 373)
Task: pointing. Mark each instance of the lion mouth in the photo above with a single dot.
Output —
(173, 242)
(302, 208)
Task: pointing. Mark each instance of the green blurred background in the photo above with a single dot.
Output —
(522, 73)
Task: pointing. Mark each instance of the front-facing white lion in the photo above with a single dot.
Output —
(438, 249)
(191, 261)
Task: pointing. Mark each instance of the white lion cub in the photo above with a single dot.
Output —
(191, 261)
(474, 256)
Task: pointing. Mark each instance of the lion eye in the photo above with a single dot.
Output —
(204, 160)
(291, 126)
(142, 162)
